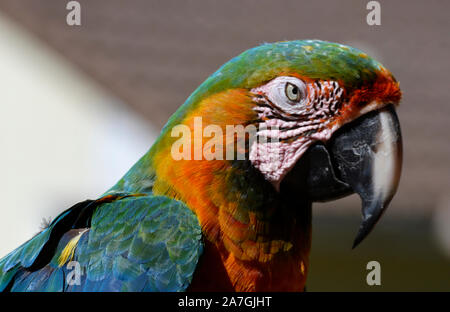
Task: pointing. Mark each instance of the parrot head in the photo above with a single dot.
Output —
(327, 112)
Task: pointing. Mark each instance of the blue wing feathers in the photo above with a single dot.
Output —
(144, 243)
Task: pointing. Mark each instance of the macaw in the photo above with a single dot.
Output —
(326, 127)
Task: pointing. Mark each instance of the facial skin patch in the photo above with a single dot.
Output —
(291, 126)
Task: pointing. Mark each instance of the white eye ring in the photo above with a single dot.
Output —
(287, 93)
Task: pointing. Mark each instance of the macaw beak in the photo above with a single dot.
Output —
(367, 155)
(363, 157)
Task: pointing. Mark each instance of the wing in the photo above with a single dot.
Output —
(117, 243)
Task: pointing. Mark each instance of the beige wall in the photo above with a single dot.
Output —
(62, 139)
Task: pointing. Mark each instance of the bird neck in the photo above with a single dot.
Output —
(261, 236)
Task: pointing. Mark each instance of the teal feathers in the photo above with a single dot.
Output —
(145, 243)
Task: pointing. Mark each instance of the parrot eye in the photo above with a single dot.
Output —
(292, 92)
(286, 93)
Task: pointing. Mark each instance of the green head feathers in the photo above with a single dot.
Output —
(314, 59)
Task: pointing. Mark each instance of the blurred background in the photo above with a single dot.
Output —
(80, 104)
